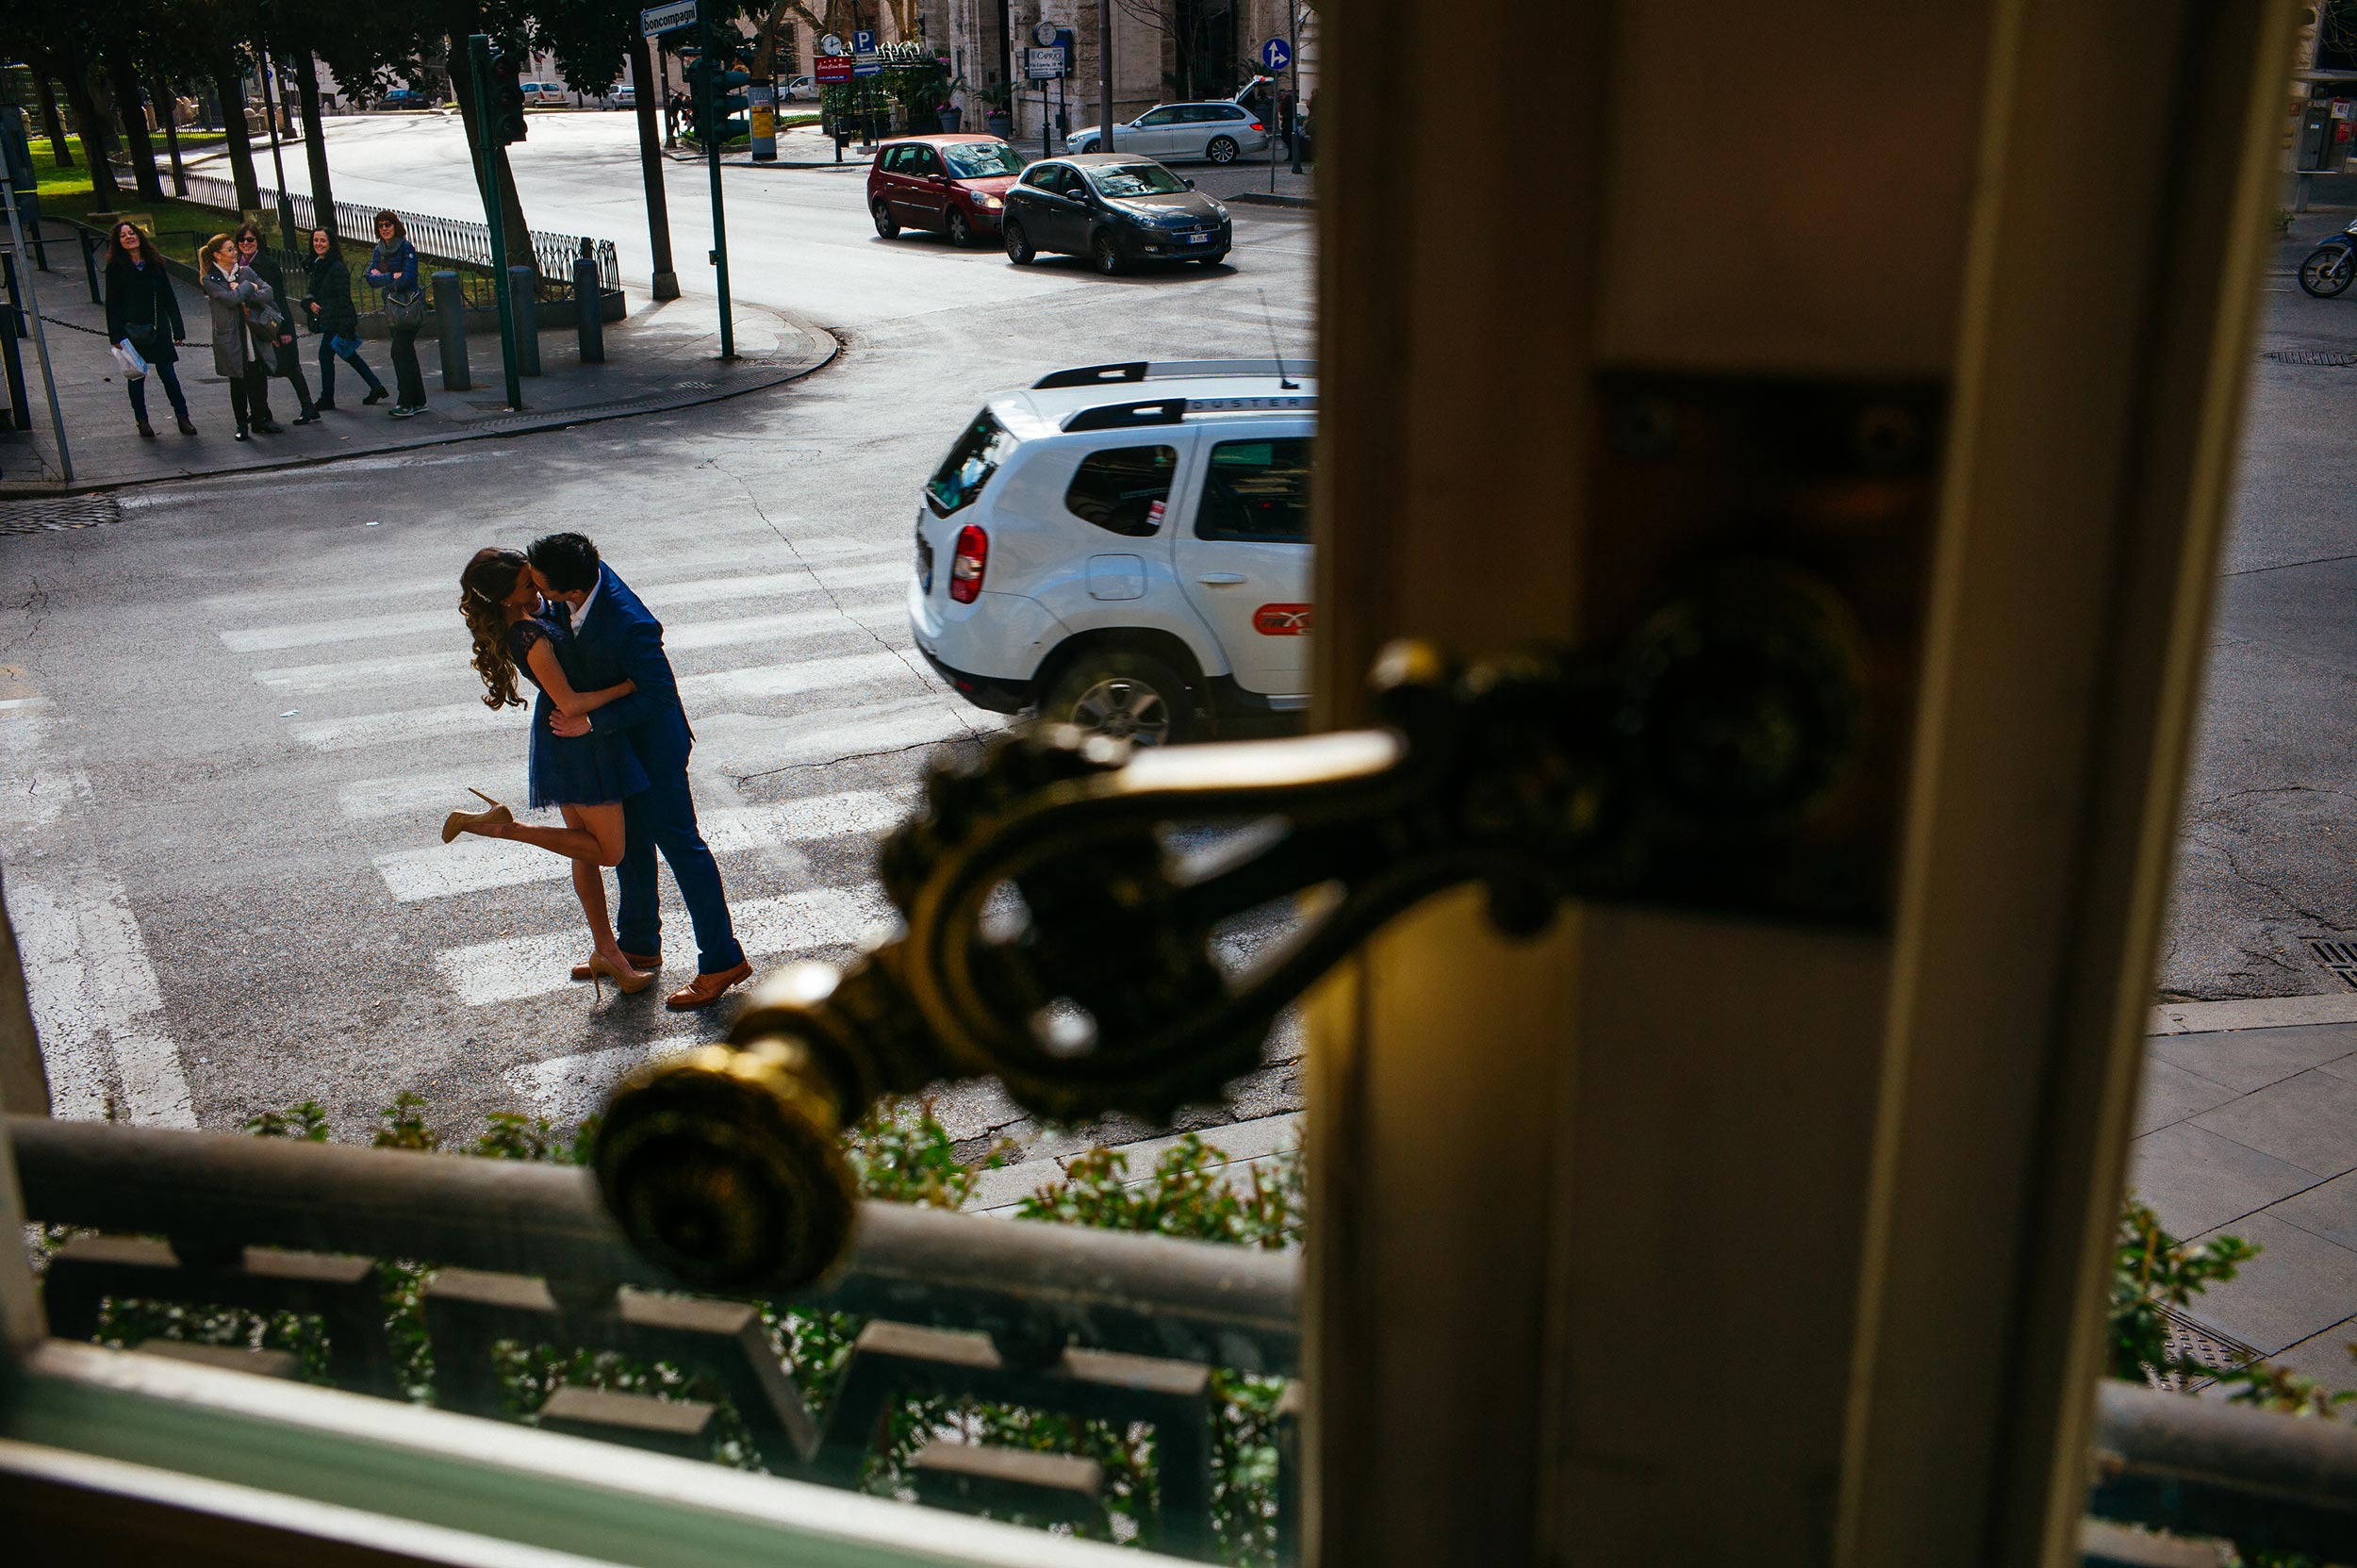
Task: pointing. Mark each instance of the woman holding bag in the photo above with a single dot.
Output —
(143, 317)
(393, 268)
(335, 320)
(236, 296)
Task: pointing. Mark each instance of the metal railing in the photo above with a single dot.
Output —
(449, 240)
(1118, 1329)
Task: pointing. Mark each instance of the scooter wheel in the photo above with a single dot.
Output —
(2329, 270)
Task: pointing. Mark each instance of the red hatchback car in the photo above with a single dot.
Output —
(955, 184)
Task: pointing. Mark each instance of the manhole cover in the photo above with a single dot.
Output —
(693, 385)
(2187, 1339)
(44, 516)
(2340, 357)
(2337, 957)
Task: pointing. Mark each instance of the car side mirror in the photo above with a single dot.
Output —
(1190, 184)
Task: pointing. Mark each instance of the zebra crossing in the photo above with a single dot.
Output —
(813, 715)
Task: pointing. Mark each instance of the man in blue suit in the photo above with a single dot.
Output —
(617, 638)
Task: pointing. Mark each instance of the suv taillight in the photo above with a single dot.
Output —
(968, 563)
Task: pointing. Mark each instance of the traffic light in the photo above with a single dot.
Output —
(718, 83)
(508, 98)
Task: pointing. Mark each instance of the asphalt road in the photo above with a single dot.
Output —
(233, 718)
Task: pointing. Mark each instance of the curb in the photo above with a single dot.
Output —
(2203, 1018)
(526, 423)
(1262, 198)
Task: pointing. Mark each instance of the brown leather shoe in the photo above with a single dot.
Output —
(706, 989)
(642, 962)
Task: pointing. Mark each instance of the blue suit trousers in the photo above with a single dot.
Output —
(663, 816)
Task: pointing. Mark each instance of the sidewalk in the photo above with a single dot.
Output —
(2248, 1127)
(661, 357)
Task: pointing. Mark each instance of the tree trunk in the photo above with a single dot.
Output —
(169, 106)
(513, 231)
(92, 126)
(126, 86)
(52, 123)
(307, 77)
(230, 90)
(644, 88)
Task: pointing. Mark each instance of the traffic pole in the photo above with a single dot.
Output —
(40, 339)
(711, 131)
(1293, 124)
(1104, 75)
(479, 62)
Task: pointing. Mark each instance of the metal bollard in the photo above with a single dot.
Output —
(519, 281)
(588, 308)
(450, 315)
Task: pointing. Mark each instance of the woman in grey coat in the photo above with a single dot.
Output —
(235, 294)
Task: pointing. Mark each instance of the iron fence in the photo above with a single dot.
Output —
(1130, 1331)
(449, 240)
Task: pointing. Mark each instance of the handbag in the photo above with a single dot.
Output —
(142, 335)
(407, 308)
(343, 344)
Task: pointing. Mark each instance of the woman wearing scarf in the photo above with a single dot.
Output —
(393, 269)
(236, 295)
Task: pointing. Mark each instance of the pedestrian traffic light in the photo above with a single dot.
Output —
(508, 98)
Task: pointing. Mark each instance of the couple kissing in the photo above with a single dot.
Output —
(608, 748)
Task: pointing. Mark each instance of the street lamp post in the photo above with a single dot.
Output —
(1104, 75)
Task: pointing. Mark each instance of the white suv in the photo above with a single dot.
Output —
(1126, 547)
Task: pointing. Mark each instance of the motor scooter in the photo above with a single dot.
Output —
(2329, 268)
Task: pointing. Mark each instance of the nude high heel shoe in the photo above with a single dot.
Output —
(628, 982)
(475, 821)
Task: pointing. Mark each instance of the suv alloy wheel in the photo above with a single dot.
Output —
(1125, 694)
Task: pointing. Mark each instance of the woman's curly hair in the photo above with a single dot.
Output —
(489, 578)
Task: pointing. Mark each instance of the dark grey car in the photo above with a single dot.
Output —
(1115, 208)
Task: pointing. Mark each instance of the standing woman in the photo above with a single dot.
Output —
(335, 320)
(232, 292)
(143, 315)
(393, 268)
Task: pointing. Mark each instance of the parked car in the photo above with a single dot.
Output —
(546, 92)
(622, 97)
(403, 97)
(954, 184)
(1221, 131)
(1115, 208)
(799, 90)
(1126, 547)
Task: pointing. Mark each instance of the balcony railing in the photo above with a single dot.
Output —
(1136, 1334)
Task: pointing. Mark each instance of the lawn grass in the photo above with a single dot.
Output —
(67, 193)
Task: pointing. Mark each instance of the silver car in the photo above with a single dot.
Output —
(1220, 131)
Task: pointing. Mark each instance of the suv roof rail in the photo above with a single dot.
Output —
(1122, 416)
(1140, 370)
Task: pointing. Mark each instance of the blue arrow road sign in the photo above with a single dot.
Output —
(1276, 55)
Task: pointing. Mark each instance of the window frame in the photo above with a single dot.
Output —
(1209, 466)
(1170, 487)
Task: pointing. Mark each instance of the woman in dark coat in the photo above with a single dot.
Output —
(336, 321)
(143, 315)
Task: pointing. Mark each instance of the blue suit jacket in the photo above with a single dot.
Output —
(620, 638)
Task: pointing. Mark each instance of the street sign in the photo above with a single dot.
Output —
(1044, 65)
(831, 68)
(865, 60)
(666, 19)
(1044, 34)
(1276, 55)
(862, 41)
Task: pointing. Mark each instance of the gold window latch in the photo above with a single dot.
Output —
(1731, 741)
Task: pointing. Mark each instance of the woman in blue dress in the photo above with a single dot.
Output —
(585, 776)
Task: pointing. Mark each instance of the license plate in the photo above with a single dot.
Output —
(1198, 238)
(924, 563)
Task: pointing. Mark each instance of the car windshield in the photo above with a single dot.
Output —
(1135, 179)
(972, 460)
(981, 160)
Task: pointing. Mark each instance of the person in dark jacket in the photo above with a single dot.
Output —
(281, 356)
(236, 296)
(143, 316)
(393, 269)
(335, 320)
